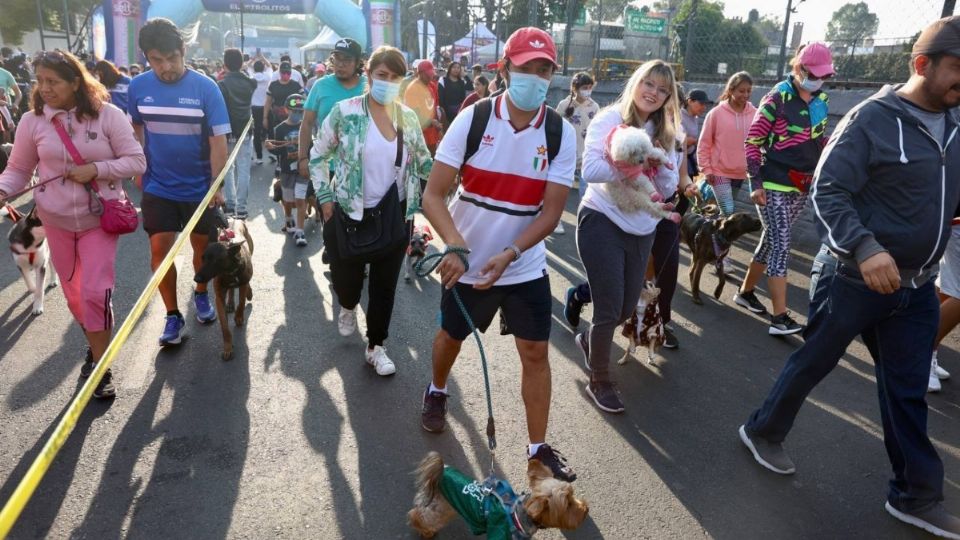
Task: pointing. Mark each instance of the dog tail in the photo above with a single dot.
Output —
(428, 478)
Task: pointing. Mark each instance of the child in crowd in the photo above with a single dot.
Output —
(285, 146)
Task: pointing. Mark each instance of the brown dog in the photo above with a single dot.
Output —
(709, 240)
(228, 261)
(551, 503)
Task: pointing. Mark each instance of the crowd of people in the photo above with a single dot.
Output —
(366, 143)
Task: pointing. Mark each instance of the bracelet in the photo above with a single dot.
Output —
(516, 251)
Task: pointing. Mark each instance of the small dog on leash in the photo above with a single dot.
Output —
(709, 239)
(493, 509)
(228, 261)
(630, 148)
(416, 249)
(647, 332)
(31, 254)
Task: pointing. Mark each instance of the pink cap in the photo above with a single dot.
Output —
(528, 44)
(815, 57)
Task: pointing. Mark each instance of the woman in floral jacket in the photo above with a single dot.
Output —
(361, 133)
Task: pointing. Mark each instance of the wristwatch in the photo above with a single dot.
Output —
(516, 251)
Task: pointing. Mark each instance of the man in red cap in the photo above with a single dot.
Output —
(883, 194)
(514, 188)
(421, 96)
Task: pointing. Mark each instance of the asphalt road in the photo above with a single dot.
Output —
(298, 438)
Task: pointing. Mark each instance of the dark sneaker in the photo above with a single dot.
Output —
(172, 330)
(784, 325)
(572, 308)
(770, 455)
(105, 389)
(325, 256)
(241, 215)
(604, 394)
(669, 340)
(434, 411)
(584, 345)
(750, 301)
(87, 368)
(935, 520)
(205, 312)
(557, 463)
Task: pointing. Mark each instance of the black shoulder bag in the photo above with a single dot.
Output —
(382, 228)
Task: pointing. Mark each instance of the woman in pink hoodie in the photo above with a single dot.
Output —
(82, 253)
(720, 148)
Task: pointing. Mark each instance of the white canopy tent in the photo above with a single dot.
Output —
(325, 41)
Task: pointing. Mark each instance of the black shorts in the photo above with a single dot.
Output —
(166, 215)
(525, 310)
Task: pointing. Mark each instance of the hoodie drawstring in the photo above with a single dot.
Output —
(903, 155)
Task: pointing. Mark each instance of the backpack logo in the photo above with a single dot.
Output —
(537, 44)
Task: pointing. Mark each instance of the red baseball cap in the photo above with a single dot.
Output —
(816, 58)
(528, 44)
(426, 66)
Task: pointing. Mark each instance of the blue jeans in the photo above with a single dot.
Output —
(898, 330)
(236, 183)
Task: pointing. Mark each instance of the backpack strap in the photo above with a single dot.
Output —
(554, 132)
(478, 124)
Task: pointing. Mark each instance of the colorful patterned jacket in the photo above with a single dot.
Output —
(786, 134)
(343, 135)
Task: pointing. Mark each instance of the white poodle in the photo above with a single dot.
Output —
(629, 149)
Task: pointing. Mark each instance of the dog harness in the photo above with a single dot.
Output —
(31, 255)
(490, 508)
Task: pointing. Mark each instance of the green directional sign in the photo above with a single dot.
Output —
(581, 17)
(638, 21)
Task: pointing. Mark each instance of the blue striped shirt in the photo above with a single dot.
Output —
(178, 120)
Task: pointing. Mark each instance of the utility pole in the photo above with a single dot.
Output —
(783, 40)
(573, 9)
(43, 44)
(532, 14)
(66, 24)
(948, 6)
(241, 25)
(499, 25)
(691, 32)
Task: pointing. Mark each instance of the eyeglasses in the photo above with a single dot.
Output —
(341, 59)
(661, 91)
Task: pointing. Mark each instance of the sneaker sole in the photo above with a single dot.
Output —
(774, 331)
(917, 522)
(934, 389)
(164, 343)
(106, 395)
(393, 369)
(744, 304)
(206, 321)
(601, 407)
(756, 455)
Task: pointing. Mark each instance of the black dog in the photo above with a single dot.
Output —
(228, 261)
(709, 239)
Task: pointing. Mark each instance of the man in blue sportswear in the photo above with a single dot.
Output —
(181, 119)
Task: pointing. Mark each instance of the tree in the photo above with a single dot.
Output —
(20, 17)
(612, 9)
(851, 25)
(718, 40)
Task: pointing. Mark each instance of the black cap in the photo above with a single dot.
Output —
(942, 36)
(285, 67)
(698, 95)
(348, 46)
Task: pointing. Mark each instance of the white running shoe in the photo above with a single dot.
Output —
(380, 361)
(559, 229)
(933, 383)
(347, 321)
(942, 374)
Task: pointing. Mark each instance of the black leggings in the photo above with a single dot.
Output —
(259, 132)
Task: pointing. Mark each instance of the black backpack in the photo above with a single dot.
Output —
(481, 115)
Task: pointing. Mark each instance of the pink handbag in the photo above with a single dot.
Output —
(117, 216)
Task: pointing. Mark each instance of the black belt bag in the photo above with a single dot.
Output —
(382, 228)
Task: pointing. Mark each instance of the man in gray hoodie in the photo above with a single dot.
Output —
(884, 193)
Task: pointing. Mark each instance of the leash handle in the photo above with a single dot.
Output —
(423, 268)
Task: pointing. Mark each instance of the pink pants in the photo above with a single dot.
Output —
(84, 261)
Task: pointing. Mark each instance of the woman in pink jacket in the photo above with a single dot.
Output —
(720, 148)
(82, 253)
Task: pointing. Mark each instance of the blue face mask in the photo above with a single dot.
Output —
(527, 92)
(384, 92)
(811, 85)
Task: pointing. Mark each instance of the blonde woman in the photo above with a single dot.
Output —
(614, 244)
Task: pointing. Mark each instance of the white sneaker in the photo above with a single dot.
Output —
(559, 229)
(941, 373)
(380, 361)
(933, 383)
(258, 162)
(347, 321)
(727, 266)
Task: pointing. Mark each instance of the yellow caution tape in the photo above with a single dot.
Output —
(14, 506)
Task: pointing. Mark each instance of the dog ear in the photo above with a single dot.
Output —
(234, 246)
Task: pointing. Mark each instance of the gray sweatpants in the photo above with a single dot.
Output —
(616, 263)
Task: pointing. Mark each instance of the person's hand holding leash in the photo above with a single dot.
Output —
(218, 198)
(495, 268)
(759, 197)
(451, 268)
(880, 273)
(82, 174)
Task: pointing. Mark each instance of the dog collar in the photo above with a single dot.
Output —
(523, 526)
(31, 255)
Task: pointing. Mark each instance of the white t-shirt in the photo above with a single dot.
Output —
(583, 114)
(502, 187)
(294, 74)
(263, 81)
(596, 170)
(379, 170)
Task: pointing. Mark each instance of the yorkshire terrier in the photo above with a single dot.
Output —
(417, 248)
(645, 327)
(629, 149)
(492, 507)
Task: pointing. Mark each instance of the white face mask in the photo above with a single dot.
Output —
(585, 94)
